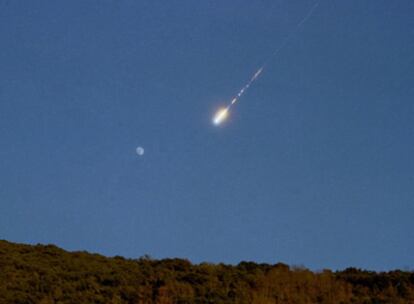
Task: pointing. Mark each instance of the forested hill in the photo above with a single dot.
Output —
(47, 274)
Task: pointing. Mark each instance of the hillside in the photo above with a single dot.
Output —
(48, 274)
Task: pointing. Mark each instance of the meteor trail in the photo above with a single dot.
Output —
(222, 113)
(234, 100)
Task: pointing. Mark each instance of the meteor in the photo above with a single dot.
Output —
(220, 116)
(223, 113)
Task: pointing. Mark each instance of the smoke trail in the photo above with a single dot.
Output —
(308, 15)
(223, 113)
(292, 33)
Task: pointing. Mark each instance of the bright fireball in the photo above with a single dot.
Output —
(220, 116)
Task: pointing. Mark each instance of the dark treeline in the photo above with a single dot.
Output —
(47, 274)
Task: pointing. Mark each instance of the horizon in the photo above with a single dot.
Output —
(275, 263)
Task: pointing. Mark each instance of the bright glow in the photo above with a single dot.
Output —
(220, 116)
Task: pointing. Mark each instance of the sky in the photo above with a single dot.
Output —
(313, 167)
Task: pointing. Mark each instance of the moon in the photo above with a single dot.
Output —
(140, 151)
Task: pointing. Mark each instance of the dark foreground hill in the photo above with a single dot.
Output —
(47, 274)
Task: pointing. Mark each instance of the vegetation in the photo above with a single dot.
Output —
(47, 274)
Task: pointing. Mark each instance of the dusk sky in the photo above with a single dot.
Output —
(314, 166)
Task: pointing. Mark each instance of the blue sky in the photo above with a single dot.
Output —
(314, 167)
